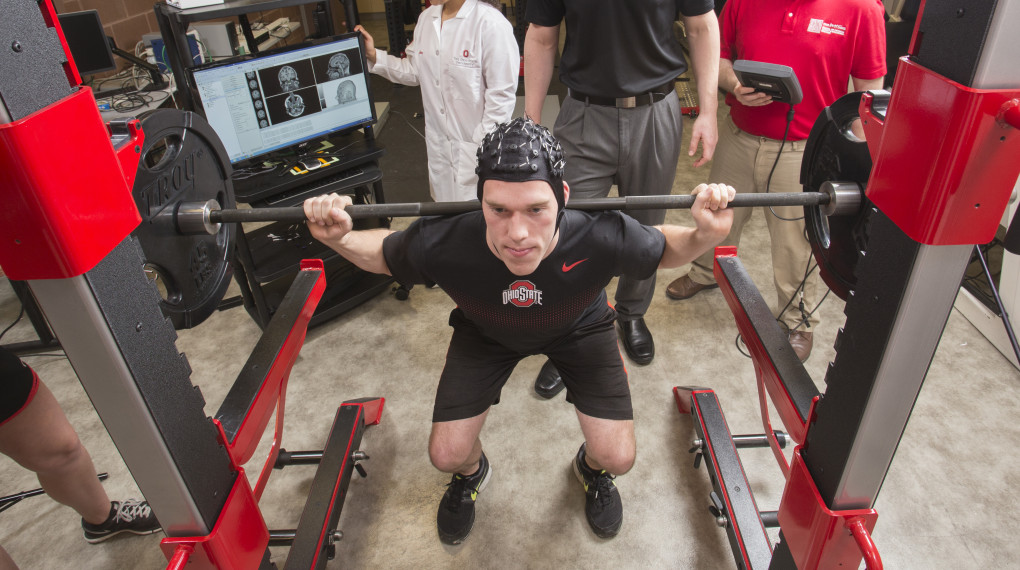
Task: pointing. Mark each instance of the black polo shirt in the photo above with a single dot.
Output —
(528, 313)
(618, 48)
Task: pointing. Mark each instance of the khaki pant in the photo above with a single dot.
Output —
(744, 161)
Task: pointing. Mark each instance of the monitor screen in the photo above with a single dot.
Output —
(87, 41)
(277, 99)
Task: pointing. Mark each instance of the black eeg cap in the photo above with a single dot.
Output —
(518, 151)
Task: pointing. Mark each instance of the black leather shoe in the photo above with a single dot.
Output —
(548, 383)
(637, 340)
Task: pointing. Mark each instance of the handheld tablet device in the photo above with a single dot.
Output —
(778, 81)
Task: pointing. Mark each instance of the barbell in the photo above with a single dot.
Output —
(184, 192)
(193, 218)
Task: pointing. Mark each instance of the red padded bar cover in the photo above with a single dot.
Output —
(945, 163)
(67, 200)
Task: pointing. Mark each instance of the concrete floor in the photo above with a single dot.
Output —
(948, 500)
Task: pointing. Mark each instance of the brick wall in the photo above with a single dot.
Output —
(126, 20)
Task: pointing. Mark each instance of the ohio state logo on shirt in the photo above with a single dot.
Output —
(522, 294)
(466, 59)
(819, 26)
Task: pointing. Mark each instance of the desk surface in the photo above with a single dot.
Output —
(125, 106)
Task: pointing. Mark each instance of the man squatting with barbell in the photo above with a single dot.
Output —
(528, 278)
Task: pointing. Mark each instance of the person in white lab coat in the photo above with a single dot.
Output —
(466, 60)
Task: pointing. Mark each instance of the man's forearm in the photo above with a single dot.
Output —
(684, 245)
(727, 77)
(540, 45)
(364, 249)
(703, 38)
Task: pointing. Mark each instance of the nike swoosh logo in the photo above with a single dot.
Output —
(567, 268)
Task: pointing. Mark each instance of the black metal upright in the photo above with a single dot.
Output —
(904, 294)
(109, 324)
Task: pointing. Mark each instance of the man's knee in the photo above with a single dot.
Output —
(617, 457)
(451, 446)
(446, 456)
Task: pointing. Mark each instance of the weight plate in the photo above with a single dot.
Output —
(833, 153)
(183, 160)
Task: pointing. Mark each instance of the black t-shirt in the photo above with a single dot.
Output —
(526, 314)
(618, 48)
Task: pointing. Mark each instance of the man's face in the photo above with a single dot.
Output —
(520, 222)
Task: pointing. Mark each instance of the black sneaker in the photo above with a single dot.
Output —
(457, 509)
(130, 516)
(602, 504)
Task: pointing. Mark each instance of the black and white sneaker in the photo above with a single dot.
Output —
(457, 509)
(130, 516)
(602, 504)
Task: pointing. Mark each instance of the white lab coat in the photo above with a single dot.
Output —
(467, 68)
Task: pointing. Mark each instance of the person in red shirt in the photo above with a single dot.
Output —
(829, 44)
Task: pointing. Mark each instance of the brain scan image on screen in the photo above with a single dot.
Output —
(266, 102)
(346, 92)
(294, 105)
(339, 66)
(288, 77)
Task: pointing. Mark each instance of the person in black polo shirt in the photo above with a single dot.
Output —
(621, 121)
(528, 278)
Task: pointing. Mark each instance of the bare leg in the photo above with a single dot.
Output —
(610, 443)
(42, 440)
(6, 563)
(454, 447)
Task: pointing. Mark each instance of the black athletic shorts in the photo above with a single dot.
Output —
(18, 384)
(588, 360)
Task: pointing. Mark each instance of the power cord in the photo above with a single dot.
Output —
(21, 313)
(805, 316)
(739, 340)
(808, 270)
(133, 101)
(782, 144)
(408, 121)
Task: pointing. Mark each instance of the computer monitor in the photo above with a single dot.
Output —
(261, 103)
(87, 41)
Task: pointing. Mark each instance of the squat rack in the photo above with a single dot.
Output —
(953, 118)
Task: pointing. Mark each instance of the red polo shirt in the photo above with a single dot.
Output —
(824, 41)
